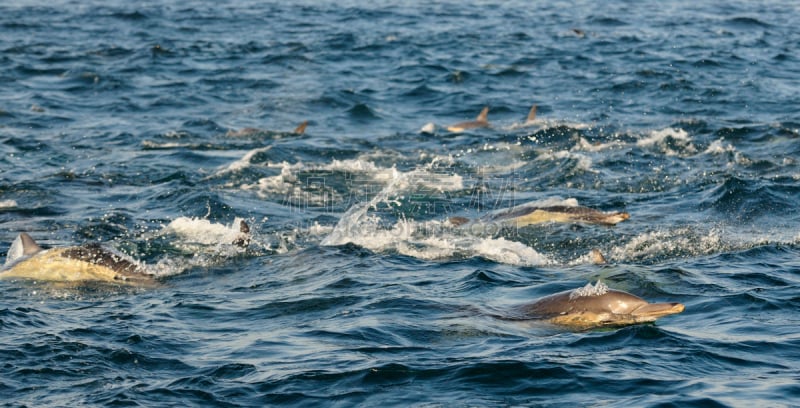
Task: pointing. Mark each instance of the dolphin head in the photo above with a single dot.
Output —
(595, 306)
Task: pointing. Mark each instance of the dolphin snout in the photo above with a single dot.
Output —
(656, 310)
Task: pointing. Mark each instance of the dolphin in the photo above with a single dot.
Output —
(249, 131)
(595, 306)
(90, 262)
(480, 122)
(527, 214)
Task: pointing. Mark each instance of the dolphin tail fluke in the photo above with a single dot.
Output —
(484, 115)
(531, 114)
(299, 130)
(22, 246)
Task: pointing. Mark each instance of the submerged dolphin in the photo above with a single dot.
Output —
(595, 306)
(480, 122)
(90, 262)
(248, 131)
(527, 214)
(85, 263)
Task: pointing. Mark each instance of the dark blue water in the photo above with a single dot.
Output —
(118, 124)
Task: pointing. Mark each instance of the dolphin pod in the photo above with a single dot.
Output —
(579, 309)
(595, 306)
(587, 307)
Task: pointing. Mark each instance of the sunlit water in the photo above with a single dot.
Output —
(123, 123)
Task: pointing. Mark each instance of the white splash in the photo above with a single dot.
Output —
(6, 204)
(359, 166)
(716, 147)
(585, 146)
(203, 232)
(661, 242)
(282, 183)
(208, 244)
(661, 139)
(430, 240)
(429, 128)
(598, 289)
(509, 252)
(147, 144)
(584, 162)
(244, 162)
(346, 229)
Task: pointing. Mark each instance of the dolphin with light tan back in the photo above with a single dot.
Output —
(91, 263)
(595, 306)
(481, 121)
(249, 131)
(86, 263)
(526, 214)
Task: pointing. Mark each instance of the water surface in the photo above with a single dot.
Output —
(118, 124)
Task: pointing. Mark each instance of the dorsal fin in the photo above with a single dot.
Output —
(22, 246)
(299, 130)
(484, 115)
(531, 114)
(597, 257)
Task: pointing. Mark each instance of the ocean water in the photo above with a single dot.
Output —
(125, 123)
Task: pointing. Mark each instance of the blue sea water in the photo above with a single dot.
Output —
(126, 123)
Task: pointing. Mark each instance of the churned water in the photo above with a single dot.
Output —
(154, 127)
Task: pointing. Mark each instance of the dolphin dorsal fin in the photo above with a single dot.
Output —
(597, 257)
(531, 114)
(299, 130)
(483, 116)
(22, 246)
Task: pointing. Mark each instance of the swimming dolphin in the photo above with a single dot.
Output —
(90, 262)
(595, 306)
(248, 131)
(527, 214)
(480, 122)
